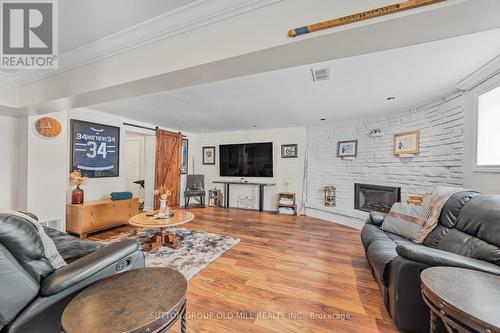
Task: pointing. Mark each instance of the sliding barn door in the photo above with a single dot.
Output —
(168, 165)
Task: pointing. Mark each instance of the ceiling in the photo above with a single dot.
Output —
(285, 98)
(91, 30)
(83, 22)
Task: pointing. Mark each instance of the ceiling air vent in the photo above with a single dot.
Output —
(320, 74)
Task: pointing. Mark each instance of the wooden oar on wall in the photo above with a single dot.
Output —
(369, 14)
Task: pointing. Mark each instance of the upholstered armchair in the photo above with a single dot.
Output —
(33, 294)
(195, 187)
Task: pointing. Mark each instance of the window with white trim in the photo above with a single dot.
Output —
(488, 129)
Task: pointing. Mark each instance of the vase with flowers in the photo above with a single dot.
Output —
(76, 178)
(163, 196)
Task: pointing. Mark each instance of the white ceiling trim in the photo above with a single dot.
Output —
(192, 16)
(6, 78)
(483, 74)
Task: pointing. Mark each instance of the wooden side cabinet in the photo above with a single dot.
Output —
(98, 215)
(286, 203)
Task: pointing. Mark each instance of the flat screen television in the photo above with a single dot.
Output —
(246, 160)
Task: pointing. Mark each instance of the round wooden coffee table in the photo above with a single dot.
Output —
(464, 300)
(164, 237)
(140, 300)
(143, 220)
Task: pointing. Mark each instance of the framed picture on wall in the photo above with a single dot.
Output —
(347, 148)
(95, 149)
(208, 155)
(289, 151)
(406, 143)
(184, 162)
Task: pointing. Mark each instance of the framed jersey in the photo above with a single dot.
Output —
(95, 149)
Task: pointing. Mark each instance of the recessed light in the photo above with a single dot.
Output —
(323, 119)
(202, 130)
(391, 98)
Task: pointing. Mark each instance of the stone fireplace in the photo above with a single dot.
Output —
(377, 198)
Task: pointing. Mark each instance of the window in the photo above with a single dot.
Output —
(488, 130)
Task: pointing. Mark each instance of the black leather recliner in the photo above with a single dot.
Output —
(467, 236)
(33, 294)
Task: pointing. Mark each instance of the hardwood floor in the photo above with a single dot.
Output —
(288, 274)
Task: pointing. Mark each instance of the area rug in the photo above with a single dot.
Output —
(198, 249)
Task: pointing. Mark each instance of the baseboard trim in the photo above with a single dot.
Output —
(335, 218)
(248, 209)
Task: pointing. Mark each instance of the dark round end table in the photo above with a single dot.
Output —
(140, 300)
(464, 300)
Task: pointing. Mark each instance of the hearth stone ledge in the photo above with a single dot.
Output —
(348, 217)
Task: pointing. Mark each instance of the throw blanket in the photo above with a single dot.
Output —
(51, 252)
(436, 200)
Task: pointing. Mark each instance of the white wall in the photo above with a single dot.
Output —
(9, 146)
(485, 182)
(22, 167)
(285, 170)
(48, 163)
(48, 188)
(100, 188)
(47, 171)
(440, 161)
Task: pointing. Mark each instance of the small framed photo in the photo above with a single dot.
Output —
(209, 155)
(184, 162)
(289, 151)
(347, 148)
(406, 143)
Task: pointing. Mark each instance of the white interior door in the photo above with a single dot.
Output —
(149, 170)
(134, 155)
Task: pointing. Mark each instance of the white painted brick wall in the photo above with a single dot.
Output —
(440, 161)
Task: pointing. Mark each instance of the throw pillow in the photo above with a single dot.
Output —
(406, 220)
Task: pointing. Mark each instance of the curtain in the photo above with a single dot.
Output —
(168, 165)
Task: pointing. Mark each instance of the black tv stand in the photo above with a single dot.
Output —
(229, 182)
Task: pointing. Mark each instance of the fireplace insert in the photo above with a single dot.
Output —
(377, 198)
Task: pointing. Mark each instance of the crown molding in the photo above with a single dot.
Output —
(189, 17)
(486, 72)
(6, 78)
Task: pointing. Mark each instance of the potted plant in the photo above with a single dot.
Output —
(77, 179)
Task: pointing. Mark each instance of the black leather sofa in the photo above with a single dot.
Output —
(467, 236)
(33, 294)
